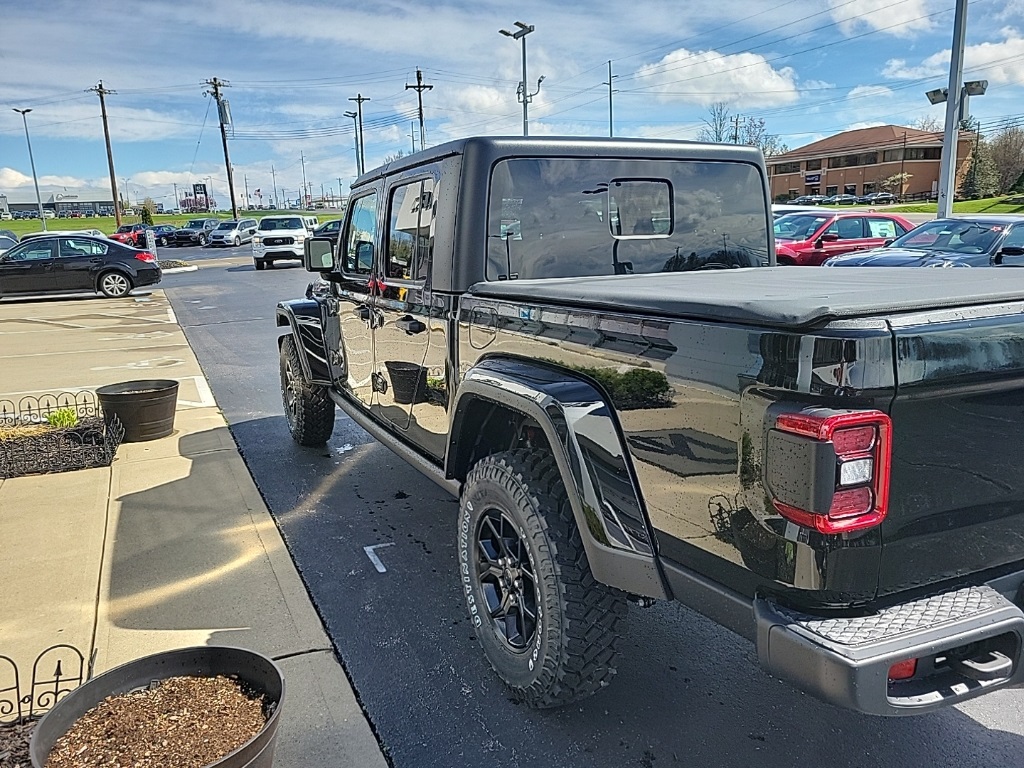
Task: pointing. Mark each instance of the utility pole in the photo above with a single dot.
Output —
(523, 94)
(177, 203)
(735, 129)
(903, 159)
(102, 92)
(359, 99)
(302, 157)
(245, 179)
(355, 130)
(420, 87)
(322, 195)
(35, 179)
(277, 201)
(225, 119)
(412, 135)
(339, 192)
(127, 194)
(611, 123)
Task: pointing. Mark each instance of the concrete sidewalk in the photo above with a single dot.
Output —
(170, 546)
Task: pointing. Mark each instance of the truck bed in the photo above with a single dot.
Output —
(791, 298)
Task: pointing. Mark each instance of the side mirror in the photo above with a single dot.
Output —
(318, 255)
(889, 241)
(829, 237)
(1008, 250)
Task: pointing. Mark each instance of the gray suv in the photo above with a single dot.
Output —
(233, 232)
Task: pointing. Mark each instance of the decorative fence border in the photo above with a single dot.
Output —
(45, 689)
(92, 442)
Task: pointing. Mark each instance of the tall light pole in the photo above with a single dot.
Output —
(359, 99)
(523, 93)
(32, 162)
(611, 120)
(355, 130)
(947, 165)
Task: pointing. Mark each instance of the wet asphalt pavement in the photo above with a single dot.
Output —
(688, 693)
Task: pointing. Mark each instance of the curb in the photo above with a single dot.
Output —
(172, 270)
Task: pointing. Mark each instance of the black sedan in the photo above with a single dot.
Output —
(972, 241)
(75, 264)
(162, 233)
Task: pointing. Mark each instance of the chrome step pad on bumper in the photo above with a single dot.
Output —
(846, 661)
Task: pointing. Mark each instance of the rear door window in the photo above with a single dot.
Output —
(411, 231)
(567, 217)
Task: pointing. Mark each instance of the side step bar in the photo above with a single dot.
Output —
(963, 643)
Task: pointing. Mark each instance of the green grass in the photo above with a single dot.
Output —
(108, 224)
(986, 205)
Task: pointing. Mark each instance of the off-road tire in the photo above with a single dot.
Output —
(113, 284)
(572, 651)
(308, 408)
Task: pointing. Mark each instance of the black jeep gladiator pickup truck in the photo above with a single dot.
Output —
(588, 342)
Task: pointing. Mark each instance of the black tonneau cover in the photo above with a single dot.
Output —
(777, 297)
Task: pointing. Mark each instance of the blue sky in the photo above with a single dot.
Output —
(809, 69)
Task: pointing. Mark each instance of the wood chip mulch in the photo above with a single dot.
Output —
(183, 722)
(14, 744)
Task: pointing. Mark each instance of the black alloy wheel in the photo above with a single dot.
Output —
(507, 579)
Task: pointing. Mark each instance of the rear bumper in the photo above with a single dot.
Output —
(846, 661)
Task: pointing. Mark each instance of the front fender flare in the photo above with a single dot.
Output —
(303, 317)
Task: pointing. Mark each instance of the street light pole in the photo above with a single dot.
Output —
(355, 130)
(524, 92)
(32, 162)
(947, 166)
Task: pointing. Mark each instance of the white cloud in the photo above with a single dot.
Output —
(998, 62)
(706, 77)
(870, 91)
(863, 124)
(10, 178)
(901, 19)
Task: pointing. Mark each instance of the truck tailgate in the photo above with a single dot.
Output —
(957, 484)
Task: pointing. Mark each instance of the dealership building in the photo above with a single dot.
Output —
(85, 200)
(857, 162)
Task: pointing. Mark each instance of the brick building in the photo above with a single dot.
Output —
(856, 163)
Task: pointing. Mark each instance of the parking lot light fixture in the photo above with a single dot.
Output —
(32, 162)
(523, 93)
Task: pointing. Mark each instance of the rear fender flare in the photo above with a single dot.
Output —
(585, 437)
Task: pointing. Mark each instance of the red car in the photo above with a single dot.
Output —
(130, 234)
(807, 239)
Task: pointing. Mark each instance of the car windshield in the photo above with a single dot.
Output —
(798, 226)
(228, 225)
(125, 228)
(269, 225)
(953, 236)
(195, 224)
(6, 242)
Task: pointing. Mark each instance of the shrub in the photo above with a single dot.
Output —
(62, 418)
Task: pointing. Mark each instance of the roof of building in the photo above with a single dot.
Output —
(51, 195)
(865, 140)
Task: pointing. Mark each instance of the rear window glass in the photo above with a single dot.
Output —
(567, 217)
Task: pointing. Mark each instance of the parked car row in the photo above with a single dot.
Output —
(872, 198)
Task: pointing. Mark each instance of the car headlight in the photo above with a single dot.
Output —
(257, 240)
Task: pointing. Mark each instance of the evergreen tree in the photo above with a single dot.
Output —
(982, 178)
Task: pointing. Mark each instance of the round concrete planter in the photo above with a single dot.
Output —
(253, 670)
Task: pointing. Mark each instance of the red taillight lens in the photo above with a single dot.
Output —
(145, 256)
(862, 443)
(903, 670)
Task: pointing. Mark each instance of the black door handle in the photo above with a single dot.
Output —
(410, 325)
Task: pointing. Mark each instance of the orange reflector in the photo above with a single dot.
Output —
(903, 670)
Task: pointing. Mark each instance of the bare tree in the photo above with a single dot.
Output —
(895, 183)
(927, 123)
(1006, 149)
(716, 124)
(755, 133)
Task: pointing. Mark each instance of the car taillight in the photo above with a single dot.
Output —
(145, 256)
(843, 459)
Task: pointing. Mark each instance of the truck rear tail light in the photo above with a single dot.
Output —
(849, 454)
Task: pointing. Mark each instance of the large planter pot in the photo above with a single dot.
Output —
(408, 381)
(253, 670)
(144, 408)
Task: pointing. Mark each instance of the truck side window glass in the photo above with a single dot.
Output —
(362, 232)
(411, 230)
(569, 217)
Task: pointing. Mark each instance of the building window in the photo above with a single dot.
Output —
(787, 168)
(814, 165)
(850, 189)
(924, 153)
(892, 155)
(849, 161)
(831, 190)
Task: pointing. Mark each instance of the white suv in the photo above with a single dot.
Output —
(278, 237)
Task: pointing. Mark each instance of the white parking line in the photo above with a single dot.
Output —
(373, 555)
